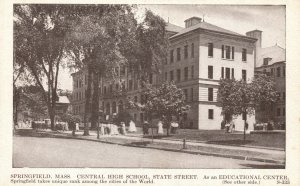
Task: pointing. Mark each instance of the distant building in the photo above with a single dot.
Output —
(199, 56)
(272, 61)
(62, 105)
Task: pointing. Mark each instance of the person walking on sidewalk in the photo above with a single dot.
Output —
(132, 127)
(145, 127)
(160, 127)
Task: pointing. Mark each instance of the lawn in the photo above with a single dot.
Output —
(276, 140)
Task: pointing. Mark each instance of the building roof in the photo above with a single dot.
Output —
(173, 28)
(63, 99)
(276, 53)
(210, 27)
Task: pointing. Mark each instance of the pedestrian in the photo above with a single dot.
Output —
(123, 128)
(77, 127)
(132, 127)
(227, 126)
(160, 127)
(145, 127)
(174, 126)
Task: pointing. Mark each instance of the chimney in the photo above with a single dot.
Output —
(192, 21)
(257, 35)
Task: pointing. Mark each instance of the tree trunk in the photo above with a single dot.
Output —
(52, 116)
(95, 100)
(87, 102)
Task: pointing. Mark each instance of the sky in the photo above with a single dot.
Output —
(240, 18)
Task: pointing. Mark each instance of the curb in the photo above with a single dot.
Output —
(205, 142)
(265, 160)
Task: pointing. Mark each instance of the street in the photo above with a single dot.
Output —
(53, 152)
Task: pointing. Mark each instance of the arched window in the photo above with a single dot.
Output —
(114, 107)
(120, 105)
(107, 111)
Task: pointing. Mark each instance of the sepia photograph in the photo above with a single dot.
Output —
(161, 86)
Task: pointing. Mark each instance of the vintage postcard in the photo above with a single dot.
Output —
(133, 93)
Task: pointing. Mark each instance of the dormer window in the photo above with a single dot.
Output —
(266, 60)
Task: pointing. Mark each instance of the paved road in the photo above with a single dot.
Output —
(53, 152)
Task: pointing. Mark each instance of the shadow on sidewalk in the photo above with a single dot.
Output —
(264, 166)
(140, 143)
(236, 142)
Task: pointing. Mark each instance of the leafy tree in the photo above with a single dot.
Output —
(151, 46)
(164, 102)
(239, 97)
(100, 37)
(39, 43)
(31, 102)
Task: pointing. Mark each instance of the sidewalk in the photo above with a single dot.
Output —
(236, 152)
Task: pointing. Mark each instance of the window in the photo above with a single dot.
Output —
(210, 72)
(178, 74)
(110, 88)
(122, 71)
(185, 91)
(185, 52)
(244, 54)
(232, 52)
(244, 75)
(222, 51)
(151, 78)
(104, 90)
(232, 73)
(171, 75)
(283, 95)
(283, 71)
(283, 111)
(192, 72)
(278, 71)
(192, 50)
(272, 71)
(278, 111)
(117, 86)
(192, 94)
(114, 107)
(210, 94)
(186, 73)
(222, 72)
(227, 52)
(210, 49)
(171, 56)
(210, 113)
(135, 84)
(166, 76)
(178, 54)
(266, 60)
(130, 84)
(227, 73)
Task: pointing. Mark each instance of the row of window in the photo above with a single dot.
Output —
(280, 112)
(79, 95)
(281, 96)
(227, 52)
(77, 109)
(225, 73)
(178, 53)
(280, 72)
(178, 74)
